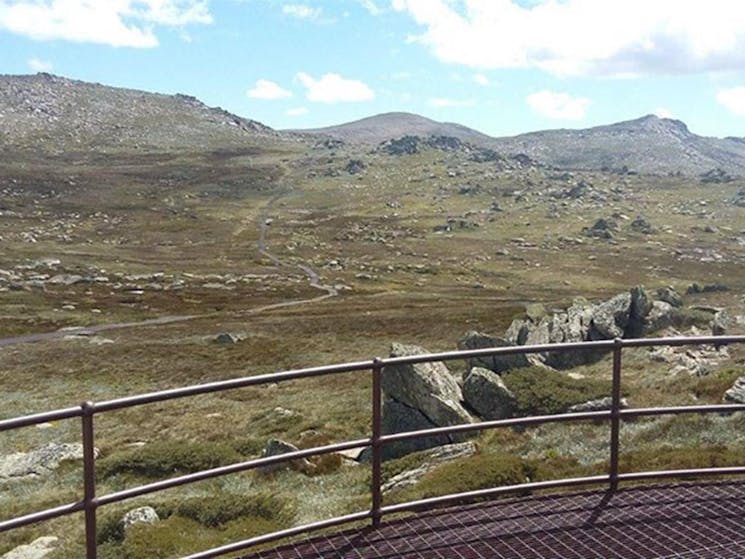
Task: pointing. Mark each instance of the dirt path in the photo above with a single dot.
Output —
(313, 278)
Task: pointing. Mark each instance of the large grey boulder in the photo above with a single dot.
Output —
(610, 318)
(669, 295)
(37, 549)
(427, 387)
(496, 363)
(661, 316)
(485, 392)
(399, 418)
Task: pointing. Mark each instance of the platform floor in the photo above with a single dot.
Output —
(683, 520)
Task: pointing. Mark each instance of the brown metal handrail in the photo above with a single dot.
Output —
(87, 410)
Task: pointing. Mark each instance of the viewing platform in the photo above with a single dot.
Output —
(676, 520)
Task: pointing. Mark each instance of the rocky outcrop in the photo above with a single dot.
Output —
(485, 393)
(627, 315)
(420, 396)
(37, 549)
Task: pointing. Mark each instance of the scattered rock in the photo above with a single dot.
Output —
(736, 393)
(431, 460)
(38, 462)
(721, 323)
(275, 447)
(37, 549)
(694, 360)
(227, 338)
(601, 404)
(601, 229)
(140, 515)
(355, 166)
(487, 395)
(641, 225)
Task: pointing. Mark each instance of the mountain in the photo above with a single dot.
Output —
(646, 145)
(54, 114)
(388, 126)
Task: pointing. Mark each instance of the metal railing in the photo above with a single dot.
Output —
(88, 410)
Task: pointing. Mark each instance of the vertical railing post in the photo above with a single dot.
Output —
(377, 459)
(89, 480)
(615, 421)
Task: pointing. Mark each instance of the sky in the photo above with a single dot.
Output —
(500, 66)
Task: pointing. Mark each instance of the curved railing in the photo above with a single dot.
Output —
(87, 411)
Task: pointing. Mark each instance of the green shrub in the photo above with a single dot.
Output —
(540, 392)
(167, 458)
(685, 318)
(217, 510)
(195, 518)
(468, 474)
(672, 458)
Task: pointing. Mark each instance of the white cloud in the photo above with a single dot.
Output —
(372, 7)
(581, 37)
(663, 112)
(298, 111)
(39, 65)
(559, 106)
(733, 99)
(481, 79)
(333, 88)
(301, 11)
(118, 23)
(265, 89)
(440, 102)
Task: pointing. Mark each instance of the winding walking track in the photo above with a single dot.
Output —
(313, 278)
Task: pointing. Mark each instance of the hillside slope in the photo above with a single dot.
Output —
(54, 114)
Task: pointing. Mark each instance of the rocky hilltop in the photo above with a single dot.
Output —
(644, 145)
(56, 114)
(390, 126)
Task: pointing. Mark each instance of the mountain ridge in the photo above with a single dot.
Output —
(648, 144)
(54, 114)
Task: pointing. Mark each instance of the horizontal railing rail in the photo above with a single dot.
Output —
(377, 440)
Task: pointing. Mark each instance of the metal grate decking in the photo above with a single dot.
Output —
(683, 521)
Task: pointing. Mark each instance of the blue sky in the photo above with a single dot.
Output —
(500, 66)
